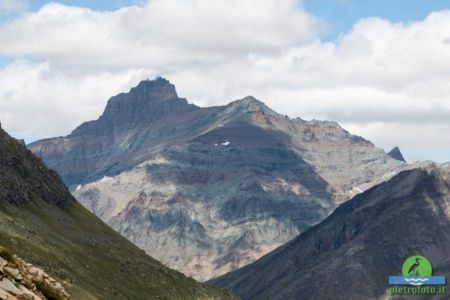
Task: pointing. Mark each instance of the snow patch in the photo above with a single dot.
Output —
(78, 188)
(355, 190)
(389, 175)
(158, 160)
(106, 178)
(225, 143)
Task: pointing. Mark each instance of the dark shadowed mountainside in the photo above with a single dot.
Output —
(396, 154)
(352, 252)
(43, 223)
(208, 190)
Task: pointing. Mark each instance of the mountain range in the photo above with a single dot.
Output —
(351, 253)
(207, 190)
(43, 227)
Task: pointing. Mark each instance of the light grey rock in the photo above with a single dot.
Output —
(13, 272)
(209, 190)
(34, 271)
(7, 285)
(352, 252)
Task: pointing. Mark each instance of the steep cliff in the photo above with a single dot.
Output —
(42, 223)
(208, 190)
(352, 252)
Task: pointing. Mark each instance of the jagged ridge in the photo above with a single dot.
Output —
(396, 154)
(209, 190)
(23, 175)
(42, 222)
(357, 247)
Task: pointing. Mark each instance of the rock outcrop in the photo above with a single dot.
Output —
(396, 154)
(130, 124)
(351, 253)
(41, 222)
(23, 175)
(208, 190)
(22, 280)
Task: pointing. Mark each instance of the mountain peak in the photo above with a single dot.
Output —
(248, 100)
(156, 89)
(395, 153)
(149, 101)
(250, 104)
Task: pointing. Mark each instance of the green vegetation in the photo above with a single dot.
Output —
(96, 262)
(49, 292)
(44, 225)
(6, 254)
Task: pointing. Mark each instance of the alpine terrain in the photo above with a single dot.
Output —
(209, 190)
(42, 227)
(352, 252)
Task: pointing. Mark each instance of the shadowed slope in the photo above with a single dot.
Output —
(42, 222)
(208, 190)
(352, 252)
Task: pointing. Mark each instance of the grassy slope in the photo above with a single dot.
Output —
(42, 223)
(77, 247)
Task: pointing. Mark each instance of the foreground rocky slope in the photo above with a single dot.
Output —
(352, 252)
(208, 190)
(42, 223)
(21, 280)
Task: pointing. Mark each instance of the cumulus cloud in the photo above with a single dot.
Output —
(159, 34)
(386, 81)
(37, 102)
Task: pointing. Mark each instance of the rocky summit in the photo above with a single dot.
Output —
(396, 154)
(83, 258)
(352, 252)
(207, 190)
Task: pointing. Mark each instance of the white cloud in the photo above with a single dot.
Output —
(11, 6)
(160, 34)
(36, 101)
(386, 81)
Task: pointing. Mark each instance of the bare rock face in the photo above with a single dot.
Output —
(351, 253)
(21, 280)
(41, 221)
(209, 190)
(396, 154)
(99, 147)
(146, 103)
(23, 175)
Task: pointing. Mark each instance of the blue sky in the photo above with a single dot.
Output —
(342, 14)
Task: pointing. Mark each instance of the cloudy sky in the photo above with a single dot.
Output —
(380, 68)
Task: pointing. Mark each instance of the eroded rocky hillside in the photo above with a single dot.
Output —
(208, 190)
(22, 280)
(42, 223)
(352, 252)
